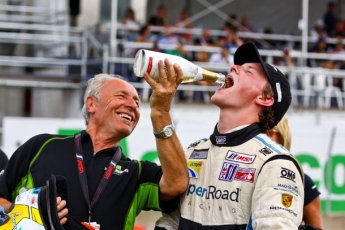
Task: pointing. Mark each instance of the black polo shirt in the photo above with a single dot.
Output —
(3, 160)
(132, 187)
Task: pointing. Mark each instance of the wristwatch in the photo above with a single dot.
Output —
(166, 132)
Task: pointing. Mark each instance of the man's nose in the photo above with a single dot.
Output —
(234, 68)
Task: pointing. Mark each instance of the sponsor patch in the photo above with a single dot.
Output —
(287, 174)
(266, 151)
(287, 200)
(245, 174)
(220, 139)
(197, 142)
(118, 170)
(199, 154)
(213, 193)
(285, 209)
(240, 157)
(228, 171)
(287, 188)
(194, 167)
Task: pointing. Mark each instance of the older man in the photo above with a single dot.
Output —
(103, 185)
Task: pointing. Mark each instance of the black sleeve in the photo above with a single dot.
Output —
(18, 165)
(151, 172)
(3, 160)
(310, 190)
(170, 205)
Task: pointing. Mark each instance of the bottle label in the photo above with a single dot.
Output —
(149, 66)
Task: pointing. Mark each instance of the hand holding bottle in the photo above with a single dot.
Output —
(165, 87)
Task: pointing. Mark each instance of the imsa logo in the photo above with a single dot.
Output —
(240, 157)
(288, 174)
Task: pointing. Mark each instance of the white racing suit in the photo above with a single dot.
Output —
(241, 180)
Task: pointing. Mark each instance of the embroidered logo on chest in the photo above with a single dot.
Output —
(245, 174)
(194, 167)
(265, 151)
(220, 139)
(228, 171)
(199, 154)
(240, 157)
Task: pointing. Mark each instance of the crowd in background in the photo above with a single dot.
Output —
(330, 25)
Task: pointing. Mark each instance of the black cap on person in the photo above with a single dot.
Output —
(248, 53)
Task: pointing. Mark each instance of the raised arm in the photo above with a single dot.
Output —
(170, 152)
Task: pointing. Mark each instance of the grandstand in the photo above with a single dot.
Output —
(45, 61)
(40, 51)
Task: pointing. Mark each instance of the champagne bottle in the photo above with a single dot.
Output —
(147, 61)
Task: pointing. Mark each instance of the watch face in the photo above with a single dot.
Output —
(166, 132)
(169, 132)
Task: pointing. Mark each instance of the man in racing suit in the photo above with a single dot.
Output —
(239, 177)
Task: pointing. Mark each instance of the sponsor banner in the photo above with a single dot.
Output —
(312, 138)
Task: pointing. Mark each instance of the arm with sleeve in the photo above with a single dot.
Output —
(278, 197)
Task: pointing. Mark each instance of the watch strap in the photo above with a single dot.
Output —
(166, 132)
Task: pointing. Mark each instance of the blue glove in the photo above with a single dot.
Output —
(3, 216)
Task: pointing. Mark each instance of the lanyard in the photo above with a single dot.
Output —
(82, 174)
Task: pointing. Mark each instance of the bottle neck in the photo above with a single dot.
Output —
(212, 76)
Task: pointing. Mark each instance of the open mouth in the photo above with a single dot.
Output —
(126, 116)
(229, 82)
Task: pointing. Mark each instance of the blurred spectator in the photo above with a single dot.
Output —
(160, 18)
(320, 46)
(179, 51)
(206, 38)
(330, 17)
(318, 30)
(232, 38)
(3, 161)
(184, 22)
(145, 35)
(129, 18)
(129, 21)
(221, 41)
(169, 37)
(246, 26)
(232, 22)
(74, 11)
(337, 82)
(338, 31)
(339, 47)
(202, 56)
(223, 57)
(286, 59)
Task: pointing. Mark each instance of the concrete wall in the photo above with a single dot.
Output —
(57, 103)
